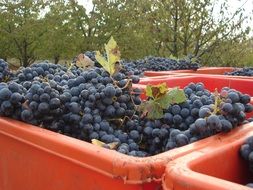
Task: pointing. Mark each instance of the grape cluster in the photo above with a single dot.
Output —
(230, 113)
(91, 104)
(4, 71)
(85, 104)
(195, 119)
(91, 55)
(247, 71)
(246, 152)
(160, 64)
(137, 67)
(173, 129)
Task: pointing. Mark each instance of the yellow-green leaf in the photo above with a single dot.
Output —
(113, 54)
(156, 91)
(148, 91)
(101, 60)
(176, 96)
(97, 142)
(113, 57)
(113, 145)
(162, 99)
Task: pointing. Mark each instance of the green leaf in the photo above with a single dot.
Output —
(111, 65)
(113, 54)
(156, 91)
(156, 112)
(151, 109)
(148, 91)
(164, 101)
(102, 61)
(176, 96)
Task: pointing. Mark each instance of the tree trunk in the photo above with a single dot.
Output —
(175, 28)
(56, 59)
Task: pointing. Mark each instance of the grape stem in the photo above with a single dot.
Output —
(216, 94)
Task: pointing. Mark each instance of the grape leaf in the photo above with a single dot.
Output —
(156, 91)
(113, 57)
(176, 96)
(151, 109)
(97, 142)
(164, 101)
(162, 98)
(83, 61)
(156, 112)
(111, 146)
(102, 61)
(112, 51)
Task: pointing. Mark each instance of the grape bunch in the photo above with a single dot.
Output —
(194, 119)
(229, 114)
(160, 64)
(247, 71)
(92, 105)
(246, 152)
(137, 67)
(4, 71)
(84, 104)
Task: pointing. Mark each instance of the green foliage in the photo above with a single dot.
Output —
(160, 98)
(22, 28)
(59, 42)
(61, 29)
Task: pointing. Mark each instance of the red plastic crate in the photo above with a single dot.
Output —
(35, 158)
(210, 82)
(203, 70)
(217, 166)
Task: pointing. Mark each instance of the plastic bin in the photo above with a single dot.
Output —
(194, 74)
(210, 82)
(203, 70)
(181, 83)
(217, 166)
(35, 158)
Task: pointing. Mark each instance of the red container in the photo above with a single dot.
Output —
(210, 82)
(35, 158)
(194, 74)
(217, 166)
(203, 70)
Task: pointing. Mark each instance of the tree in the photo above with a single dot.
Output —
(22, 26)
(192, 26)
(60, 39)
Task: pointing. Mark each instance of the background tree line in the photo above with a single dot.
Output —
(60, 29)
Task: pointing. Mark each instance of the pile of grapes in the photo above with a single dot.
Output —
(4, 70)
(137, 67)
(92, 104)
(246, 152)
(247, 71)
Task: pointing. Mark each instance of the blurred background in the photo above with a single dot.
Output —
(218, 32)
